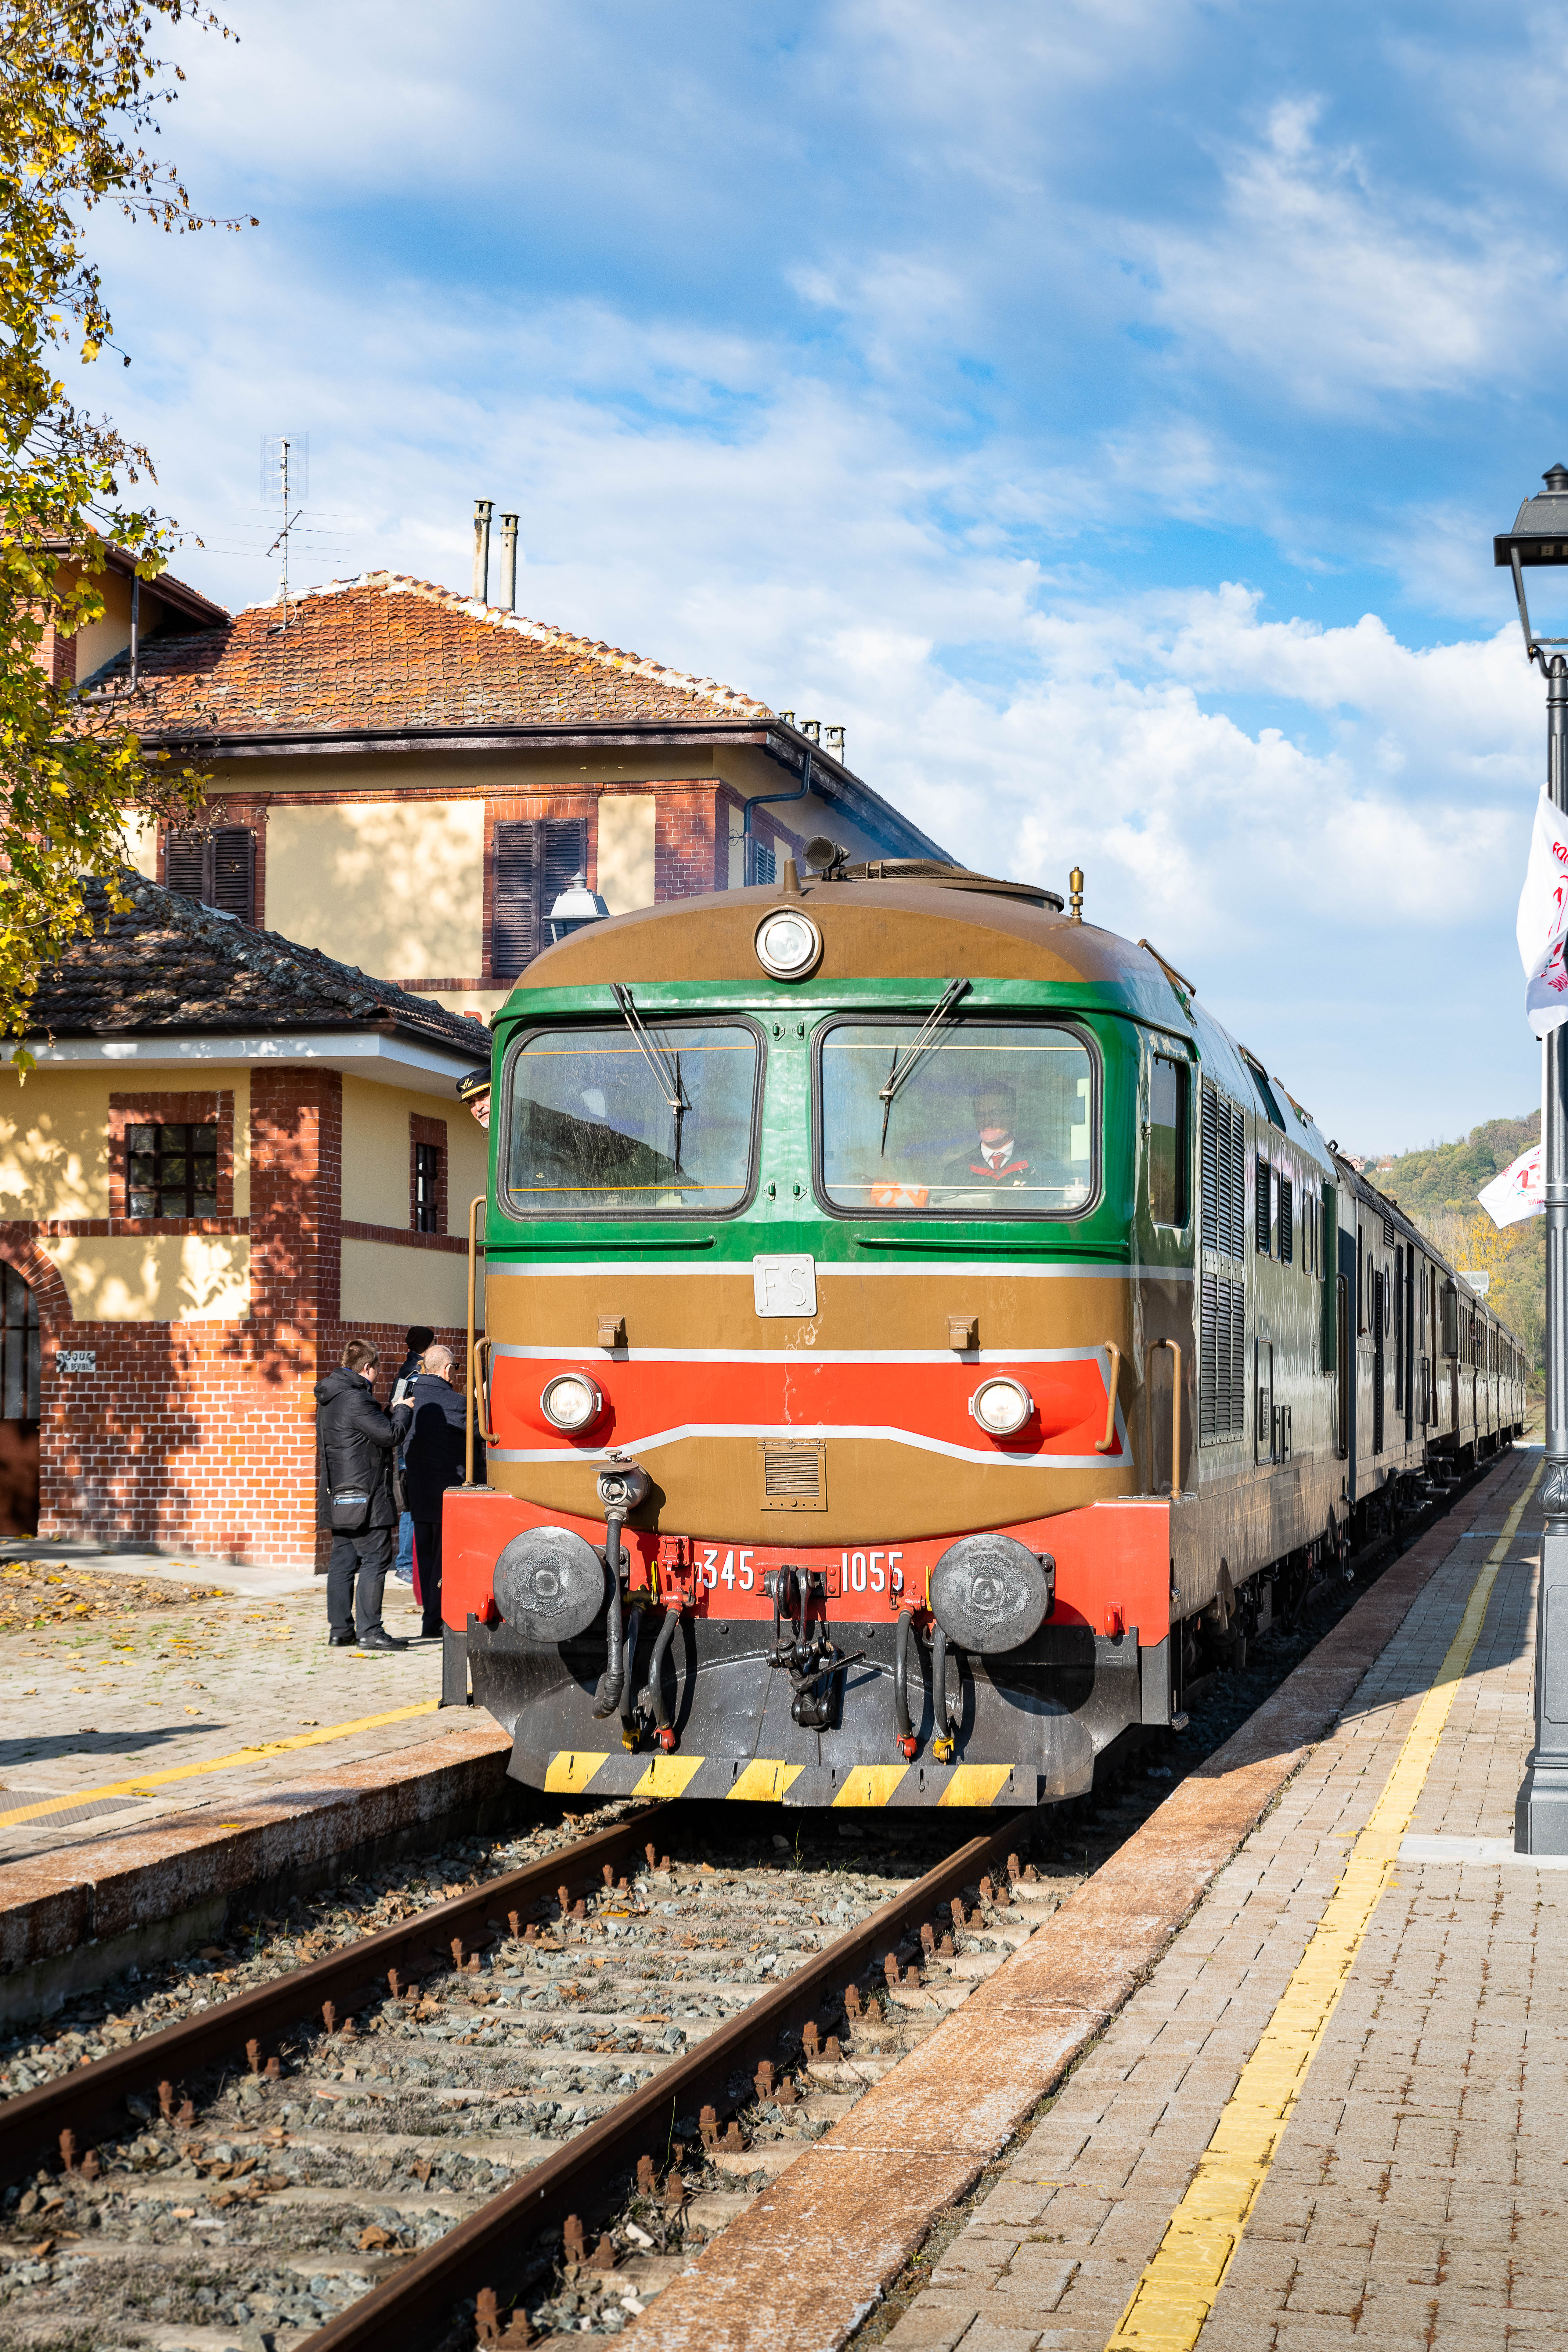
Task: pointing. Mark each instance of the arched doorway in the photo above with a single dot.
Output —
(20, 1358)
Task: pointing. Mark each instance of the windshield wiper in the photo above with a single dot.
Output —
(666, 1066)
(926, 1039)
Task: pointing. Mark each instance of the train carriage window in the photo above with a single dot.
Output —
(1169, 1150)
(993, 1118)
(606, 1122)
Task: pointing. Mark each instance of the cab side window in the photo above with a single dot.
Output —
(1169, 1149)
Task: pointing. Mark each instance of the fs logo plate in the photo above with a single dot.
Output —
(785, 1286)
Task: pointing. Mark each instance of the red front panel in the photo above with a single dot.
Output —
(1113, 1566)
(929, 1397)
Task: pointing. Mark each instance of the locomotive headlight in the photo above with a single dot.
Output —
(788, 943)
(1002, 1407)
(572, 1401)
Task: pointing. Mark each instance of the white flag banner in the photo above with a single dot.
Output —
(1518, 1192)
(1542, 924)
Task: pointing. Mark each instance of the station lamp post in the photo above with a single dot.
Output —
(1540, 536)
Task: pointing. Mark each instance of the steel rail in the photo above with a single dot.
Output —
(496, 2247)
(91, 2099)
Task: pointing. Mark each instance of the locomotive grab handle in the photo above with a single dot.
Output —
(1176, 1414)
(1103, 1444)
(477, 1369)
(475, 1205)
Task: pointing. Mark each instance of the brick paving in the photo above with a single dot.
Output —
(1416, 2200)
(87, 1707)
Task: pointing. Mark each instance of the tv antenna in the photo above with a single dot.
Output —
(285, 484)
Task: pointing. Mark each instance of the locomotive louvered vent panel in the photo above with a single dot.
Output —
(1387, 1231)
(791, 1474)
(1222, 1335)
(1286, 1221)
(1224, 1181)
(1222, 1371)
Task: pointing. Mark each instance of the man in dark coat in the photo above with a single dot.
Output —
(416, 1340)
(353, 1451)
(432, 1425)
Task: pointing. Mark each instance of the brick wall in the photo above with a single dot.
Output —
(691, 854)
(201, 1436)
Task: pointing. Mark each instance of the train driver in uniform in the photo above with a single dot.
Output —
(995, 1162)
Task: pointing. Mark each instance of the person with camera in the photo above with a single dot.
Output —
(431, 1423)
(354, 1440)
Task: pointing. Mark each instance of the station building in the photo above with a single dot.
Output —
(241, 1145)
(407, 778)
(233, 1156)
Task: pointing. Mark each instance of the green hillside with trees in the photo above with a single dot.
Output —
(1437, 1189)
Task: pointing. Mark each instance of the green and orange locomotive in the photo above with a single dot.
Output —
(918, 1341)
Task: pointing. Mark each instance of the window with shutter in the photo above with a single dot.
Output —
(217, 869)
(563, 858)
(234, 871)
(533, 861)
(185, 864)
(514, 921)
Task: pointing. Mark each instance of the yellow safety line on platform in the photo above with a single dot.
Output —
(1171, 2303)
(145, 1782)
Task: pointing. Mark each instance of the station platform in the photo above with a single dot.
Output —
(1291, 2077)
(188, 1702)
(189, 1736)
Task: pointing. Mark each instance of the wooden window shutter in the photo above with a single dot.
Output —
(534, 860)
(185, 864)
(566, 855)
(514, 919)
(216, 868)
(233, 881)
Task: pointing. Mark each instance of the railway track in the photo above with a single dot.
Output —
(357, 2149)
(394, 2141)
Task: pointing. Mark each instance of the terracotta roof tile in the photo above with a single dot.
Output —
(169, 964)
(383, 651)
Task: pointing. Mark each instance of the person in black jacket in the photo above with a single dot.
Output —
(431, 1424)
(416, 1340)
(353, 1451)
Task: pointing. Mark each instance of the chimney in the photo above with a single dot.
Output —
(482, 549)
(508, 561)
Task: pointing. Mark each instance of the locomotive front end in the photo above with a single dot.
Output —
(819, 1293)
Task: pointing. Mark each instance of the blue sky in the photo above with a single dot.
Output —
(1102, 411)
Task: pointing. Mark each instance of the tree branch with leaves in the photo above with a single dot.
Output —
(81, 95)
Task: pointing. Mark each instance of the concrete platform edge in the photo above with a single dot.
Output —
(75, 1918)
(809, 2261)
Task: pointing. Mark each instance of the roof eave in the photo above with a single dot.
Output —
(831, 781)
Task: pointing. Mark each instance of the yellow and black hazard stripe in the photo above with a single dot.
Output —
(601, 1772)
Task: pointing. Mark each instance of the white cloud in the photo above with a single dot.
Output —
(1323, 824)
(1339, 283)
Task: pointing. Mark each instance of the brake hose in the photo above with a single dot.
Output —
(656, 1673)
(941, 1744)
(901, 1683)
(612, 1682)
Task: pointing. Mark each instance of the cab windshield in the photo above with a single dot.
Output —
(993, 1118)
(595, 1121)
